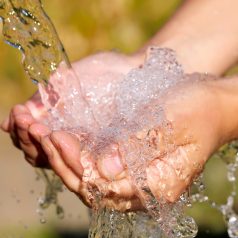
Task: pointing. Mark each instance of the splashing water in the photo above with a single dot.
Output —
(27, 28)
(110, 116)
(229, 154)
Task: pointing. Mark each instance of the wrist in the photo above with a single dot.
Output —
(198, 44)
(192, 53)
(225, 91)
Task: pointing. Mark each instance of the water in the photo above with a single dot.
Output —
(28, 28)
(229, 154)
(53, 187)
(110, 112)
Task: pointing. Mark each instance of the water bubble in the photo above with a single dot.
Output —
(233, 226)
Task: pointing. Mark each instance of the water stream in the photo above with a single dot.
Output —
(116, 112)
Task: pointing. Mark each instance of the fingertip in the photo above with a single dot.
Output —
(163, 181)
(69, 148)
(62, 137)
(20, 109)
(5, 124)
(110, 165)
(58, 165)
(122, 188)
(66, 142)
(58, 136)
(23, 121)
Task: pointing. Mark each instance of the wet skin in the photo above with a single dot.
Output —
(197, 127)
(198, 115)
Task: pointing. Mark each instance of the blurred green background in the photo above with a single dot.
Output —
(85, 27)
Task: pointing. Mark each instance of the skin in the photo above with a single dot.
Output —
(190, 108)
(198, 117)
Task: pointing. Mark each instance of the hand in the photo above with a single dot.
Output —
(168, 175)
(20, 123)
(195, 123)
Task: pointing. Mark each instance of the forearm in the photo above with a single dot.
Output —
(226, 94)
(204, 33)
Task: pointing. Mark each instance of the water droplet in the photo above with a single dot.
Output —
(42, 220)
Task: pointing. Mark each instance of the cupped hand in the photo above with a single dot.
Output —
(25, 121)
(193, 115)
(18, 125)
(194, 123)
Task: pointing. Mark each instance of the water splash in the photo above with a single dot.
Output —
(229, 154)
(132, 108)
(29, 29)
(138, 89)
(23, 23)
(53, 187)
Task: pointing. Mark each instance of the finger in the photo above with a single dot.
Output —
(58, 165)
(81, 163)
(13, 132)
(163, 181)
(30, 151)
(11, 122)
(25, 117)
(121, 188)
(69, 148)
(21, 135)
(21, 109)
(122, 205)
(18, 111)
(22, 124)
(38, 131)
(5, 125)
(28, 143)
(171, 175)
(110, 165)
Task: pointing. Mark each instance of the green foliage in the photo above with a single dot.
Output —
(36, 232)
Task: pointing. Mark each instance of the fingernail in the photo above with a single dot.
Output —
(111, 166)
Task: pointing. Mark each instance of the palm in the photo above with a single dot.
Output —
(170, 171)
(168, 174)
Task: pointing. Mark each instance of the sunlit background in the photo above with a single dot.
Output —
(85, 27)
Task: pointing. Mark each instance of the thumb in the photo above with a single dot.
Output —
(110, 164)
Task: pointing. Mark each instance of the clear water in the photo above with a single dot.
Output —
(28, 28)
(115, 112)
(228, 153)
